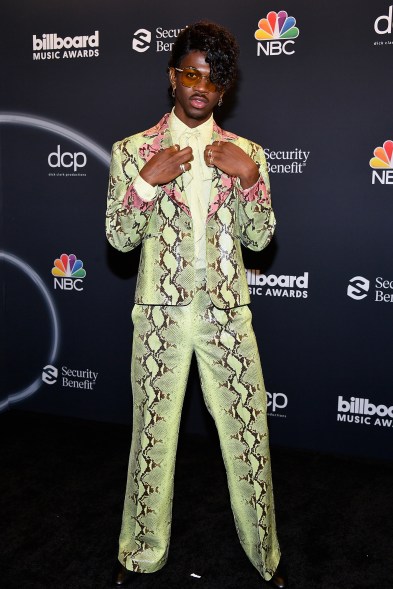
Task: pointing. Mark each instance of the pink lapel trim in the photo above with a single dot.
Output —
(133, 200)
(222, 184)
(161, 139)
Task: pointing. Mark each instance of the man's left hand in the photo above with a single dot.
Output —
(232, 160)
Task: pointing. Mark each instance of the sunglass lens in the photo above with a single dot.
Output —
(191, 77)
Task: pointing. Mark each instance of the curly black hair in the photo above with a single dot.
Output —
(219, 45)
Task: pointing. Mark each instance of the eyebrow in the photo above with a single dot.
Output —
(192, 67)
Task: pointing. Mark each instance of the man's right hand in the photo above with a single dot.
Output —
(165, 165)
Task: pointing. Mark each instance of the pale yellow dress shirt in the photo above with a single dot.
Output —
(196, 181)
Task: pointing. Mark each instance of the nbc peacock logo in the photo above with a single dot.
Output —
(276, 34)
(68, 273)
(382, 163)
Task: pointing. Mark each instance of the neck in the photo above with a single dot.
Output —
(191, 122)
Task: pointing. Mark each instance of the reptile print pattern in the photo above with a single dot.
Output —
(169, 242)
(165, 229)
(224, 343)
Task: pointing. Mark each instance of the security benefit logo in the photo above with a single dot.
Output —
(68, 273)
(362, 411)
(73, 378)
(276, 34)
(291, 161)
(383, 26)
(284, 286)
(50, 374)
(66, 163)
(382, 164)
(162, 40)
(381, 289)
(358, 288)
(53, 46)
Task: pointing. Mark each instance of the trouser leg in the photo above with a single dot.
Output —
(161, 358)
(234, 392)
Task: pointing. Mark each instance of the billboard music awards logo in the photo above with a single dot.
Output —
(286, 162)
(68, 163)
(276, 34)
(68, 273)
(163, 39)
(361, 411)
(293, 287)
(359, 289)
(276, 402)
(382, 164)
(383, 25)
(52, 46)
(70, 377)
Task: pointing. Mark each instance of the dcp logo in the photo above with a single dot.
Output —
(276, 401)
(49, 374)
(76, 160)
(141, 41)
(358, 288)
(384, 24)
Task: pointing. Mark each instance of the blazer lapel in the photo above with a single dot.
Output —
(222, 184)
(160, 138)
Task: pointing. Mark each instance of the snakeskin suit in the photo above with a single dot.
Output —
(179, 312)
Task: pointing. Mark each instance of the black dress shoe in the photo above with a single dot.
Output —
(278, 580)
(122, 577)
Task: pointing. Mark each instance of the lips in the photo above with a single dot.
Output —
(198, 101)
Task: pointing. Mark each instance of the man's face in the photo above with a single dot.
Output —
(193, 106)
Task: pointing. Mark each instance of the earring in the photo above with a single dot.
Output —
(173, 91)
(220, 101)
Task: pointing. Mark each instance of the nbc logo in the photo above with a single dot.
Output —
(382, 163)
(68, 272)
(275, 34)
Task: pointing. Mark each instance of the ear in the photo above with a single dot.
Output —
(172, 77)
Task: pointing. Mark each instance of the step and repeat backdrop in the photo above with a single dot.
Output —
(315, 90)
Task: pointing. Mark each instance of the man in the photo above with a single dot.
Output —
(192, 193)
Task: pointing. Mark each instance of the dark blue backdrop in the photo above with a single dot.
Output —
(319, 102)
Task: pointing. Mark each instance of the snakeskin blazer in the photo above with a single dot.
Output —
(165, 229)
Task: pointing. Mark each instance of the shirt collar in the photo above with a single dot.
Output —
(177, 128)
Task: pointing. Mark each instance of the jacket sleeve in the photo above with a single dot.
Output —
(127, 214)
(256, 217)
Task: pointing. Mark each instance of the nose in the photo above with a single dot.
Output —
(201, 85)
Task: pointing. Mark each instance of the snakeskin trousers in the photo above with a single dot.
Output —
(224, 343)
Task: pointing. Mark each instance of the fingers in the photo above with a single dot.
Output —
(176, 149)
(180, 155)
(185, 154)
(232, 160)
(164, 166)
(183, 159)
(211, 153)
(185, 167)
